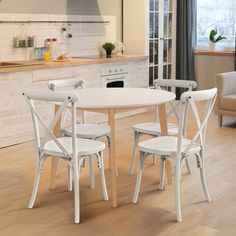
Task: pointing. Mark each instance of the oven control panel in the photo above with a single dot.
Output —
(114, 70)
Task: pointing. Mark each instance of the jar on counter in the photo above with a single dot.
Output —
(54, 49)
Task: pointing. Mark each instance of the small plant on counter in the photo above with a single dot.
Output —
(108, 47)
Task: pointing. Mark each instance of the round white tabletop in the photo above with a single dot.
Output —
(121, 97)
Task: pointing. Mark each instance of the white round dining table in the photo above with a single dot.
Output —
(112, 101)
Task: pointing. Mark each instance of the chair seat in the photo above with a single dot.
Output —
(89, 131)
(154, 128)
(84, 146)
(166, 145)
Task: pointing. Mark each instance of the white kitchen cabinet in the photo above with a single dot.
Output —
(15, 119)
(150, 29)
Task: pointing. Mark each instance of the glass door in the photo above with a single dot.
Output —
(160, 40)
(167, 35)
(153, 40)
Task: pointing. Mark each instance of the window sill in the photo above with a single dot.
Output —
(220, 53)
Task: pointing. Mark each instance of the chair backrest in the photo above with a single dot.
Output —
(190, 99)
(62, 100)
(168, 84)
(65, 84)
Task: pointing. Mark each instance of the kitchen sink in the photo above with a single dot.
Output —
(9, 64)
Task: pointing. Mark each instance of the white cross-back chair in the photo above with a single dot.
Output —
(181, 147)
(84, 130)
(73, 150)
(153, 128)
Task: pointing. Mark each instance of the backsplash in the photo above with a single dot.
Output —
(87, 38)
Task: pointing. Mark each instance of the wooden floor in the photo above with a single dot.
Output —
(153, 215)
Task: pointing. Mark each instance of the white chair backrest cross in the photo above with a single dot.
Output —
(67, 84)
(189, 99)
(64, 99)
(167, 84)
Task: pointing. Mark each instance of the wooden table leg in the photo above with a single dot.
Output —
(111, 119)
(164, 131)
(55, 161)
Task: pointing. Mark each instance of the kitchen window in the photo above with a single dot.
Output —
(220, 14)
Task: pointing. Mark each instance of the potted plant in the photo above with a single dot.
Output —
(214, 38)
(108, 47)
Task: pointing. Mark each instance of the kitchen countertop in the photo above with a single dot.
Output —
(73, 62)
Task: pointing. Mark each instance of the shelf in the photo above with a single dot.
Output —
(53, 21)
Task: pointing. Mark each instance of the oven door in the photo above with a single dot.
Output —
(111, 81)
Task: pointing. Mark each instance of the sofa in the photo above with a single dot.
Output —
(226, 100)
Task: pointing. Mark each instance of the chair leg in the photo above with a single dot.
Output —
(109, 145)
(162, 173)
(76, 170)
(136, 138)
(70, 177)
(154, 159)
(36, 184)
(188, 166)
(177, 191)
(83, 163)
(220, 120)
(109, 141)
(139, 177)
(91, 171)
(102, 176)
(203, 180)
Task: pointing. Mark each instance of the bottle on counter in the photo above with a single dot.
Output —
(47, 56)
(54, 49)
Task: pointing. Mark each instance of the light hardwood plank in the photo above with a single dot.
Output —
(153, 215)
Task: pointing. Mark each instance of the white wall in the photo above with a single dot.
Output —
(69, 7)
(87, 38)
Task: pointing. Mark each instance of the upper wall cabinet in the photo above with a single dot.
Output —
(150, 29)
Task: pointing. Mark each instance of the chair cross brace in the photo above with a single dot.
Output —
(49, 129)
(201, 126)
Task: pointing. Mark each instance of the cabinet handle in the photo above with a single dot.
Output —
(119, 78)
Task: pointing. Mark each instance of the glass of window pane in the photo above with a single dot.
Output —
(169, 51)
(168, 5)
(165, 53)
(156, 5)
(152, 5)
(165, 72)
(169, 71)
(156, 20)
(151, 76)
(155, 72)
(169, 32)
(155, 51)
(166, 24)
(151, 52)
(151, 26)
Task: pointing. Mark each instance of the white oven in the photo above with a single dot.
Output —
(114, 76)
